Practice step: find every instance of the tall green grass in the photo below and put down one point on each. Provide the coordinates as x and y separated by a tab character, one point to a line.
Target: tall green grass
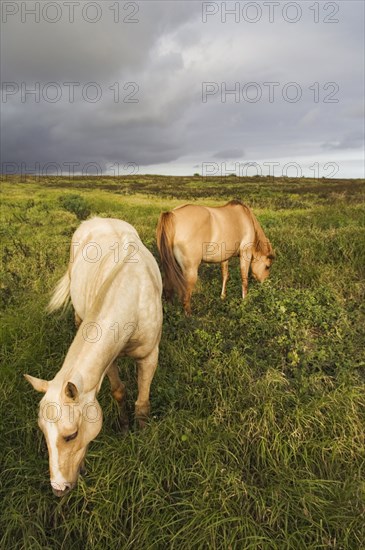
257	432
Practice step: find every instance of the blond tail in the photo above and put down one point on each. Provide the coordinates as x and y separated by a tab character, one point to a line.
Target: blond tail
61	294
173	275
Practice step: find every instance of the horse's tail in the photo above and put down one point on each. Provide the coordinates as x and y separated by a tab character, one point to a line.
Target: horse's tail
173	275
61	294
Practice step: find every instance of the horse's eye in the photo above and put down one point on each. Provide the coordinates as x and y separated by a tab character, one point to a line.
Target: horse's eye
70	437
267	266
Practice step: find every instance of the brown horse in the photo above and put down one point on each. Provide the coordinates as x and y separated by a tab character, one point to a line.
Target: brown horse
191	234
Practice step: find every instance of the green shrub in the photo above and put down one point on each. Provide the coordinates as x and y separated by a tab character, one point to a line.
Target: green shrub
77	205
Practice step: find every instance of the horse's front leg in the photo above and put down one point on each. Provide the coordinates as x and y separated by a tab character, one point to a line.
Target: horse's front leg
146	370
119	393
225	277
245	261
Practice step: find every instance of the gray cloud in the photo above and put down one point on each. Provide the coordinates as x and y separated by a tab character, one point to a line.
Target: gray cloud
229	154
166	58
351	141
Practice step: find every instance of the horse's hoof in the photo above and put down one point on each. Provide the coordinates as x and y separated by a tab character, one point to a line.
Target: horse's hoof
121	425
141	424
124	429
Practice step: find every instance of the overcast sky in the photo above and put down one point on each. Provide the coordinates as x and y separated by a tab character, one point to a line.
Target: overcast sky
151	82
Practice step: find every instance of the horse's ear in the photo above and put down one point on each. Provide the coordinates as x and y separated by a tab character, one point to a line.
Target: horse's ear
71	391
37	383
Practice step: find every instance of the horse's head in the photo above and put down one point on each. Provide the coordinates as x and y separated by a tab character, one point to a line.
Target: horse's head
69	418
261	264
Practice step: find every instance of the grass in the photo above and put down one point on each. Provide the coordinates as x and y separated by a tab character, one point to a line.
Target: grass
257	432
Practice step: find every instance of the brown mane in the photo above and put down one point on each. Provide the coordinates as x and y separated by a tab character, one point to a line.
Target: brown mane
262	243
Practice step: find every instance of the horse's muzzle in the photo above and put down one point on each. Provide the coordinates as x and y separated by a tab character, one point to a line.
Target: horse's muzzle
61	492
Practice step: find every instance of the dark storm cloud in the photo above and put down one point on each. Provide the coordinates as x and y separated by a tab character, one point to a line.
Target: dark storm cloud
152	76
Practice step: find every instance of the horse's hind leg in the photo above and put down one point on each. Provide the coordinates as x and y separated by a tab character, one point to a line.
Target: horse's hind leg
119	393
168	290
225	277
191	276
146	371
78	320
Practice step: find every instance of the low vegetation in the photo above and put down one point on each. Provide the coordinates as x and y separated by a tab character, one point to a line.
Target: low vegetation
257	432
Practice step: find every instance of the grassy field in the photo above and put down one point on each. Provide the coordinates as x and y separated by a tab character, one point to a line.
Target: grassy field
257	434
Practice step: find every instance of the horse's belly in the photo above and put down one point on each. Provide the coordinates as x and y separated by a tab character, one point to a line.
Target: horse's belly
218	250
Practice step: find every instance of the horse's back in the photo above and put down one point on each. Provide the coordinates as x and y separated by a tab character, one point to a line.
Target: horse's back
104	249
226	227
96	248
232	221
190	219
97	228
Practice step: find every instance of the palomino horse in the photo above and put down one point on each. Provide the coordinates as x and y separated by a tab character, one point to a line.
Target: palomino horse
191	234
115	287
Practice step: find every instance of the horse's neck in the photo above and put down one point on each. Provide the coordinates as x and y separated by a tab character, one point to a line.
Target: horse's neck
262	244
94	348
